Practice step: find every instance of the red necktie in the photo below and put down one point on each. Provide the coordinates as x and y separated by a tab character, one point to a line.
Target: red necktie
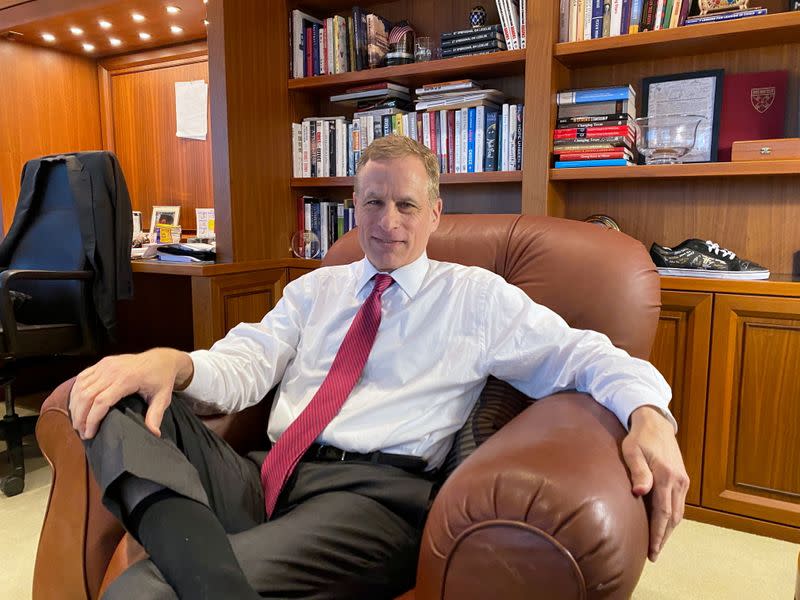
326	403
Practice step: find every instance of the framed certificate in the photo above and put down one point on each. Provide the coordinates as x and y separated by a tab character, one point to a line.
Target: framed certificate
698	93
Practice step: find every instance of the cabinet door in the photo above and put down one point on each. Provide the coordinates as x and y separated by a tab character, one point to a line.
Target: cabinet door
680	353
221	302
752	459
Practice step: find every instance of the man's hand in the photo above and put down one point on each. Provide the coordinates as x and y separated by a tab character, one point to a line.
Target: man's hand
651	452
153	374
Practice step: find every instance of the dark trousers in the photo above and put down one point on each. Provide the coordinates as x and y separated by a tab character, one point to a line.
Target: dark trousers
341	530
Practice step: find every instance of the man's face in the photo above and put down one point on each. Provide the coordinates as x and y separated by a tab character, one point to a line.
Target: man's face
395	218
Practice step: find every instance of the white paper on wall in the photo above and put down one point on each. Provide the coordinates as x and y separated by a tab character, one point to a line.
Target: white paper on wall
191	109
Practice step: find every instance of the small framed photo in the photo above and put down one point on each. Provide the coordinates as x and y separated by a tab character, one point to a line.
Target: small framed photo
164	215
697	93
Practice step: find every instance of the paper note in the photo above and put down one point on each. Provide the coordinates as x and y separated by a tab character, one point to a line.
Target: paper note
191	109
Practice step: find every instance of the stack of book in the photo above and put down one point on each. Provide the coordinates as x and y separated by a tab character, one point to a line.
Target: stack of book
467	42
595	128
468	128
590	19
328	219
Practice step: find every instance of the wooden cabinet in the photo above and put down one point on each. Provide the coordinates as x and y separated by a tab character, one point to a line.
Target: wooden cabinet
752	462
680	353
731	353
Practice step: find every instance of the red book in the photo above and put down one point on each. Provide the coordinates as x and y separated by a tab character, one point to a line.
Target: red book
434	137
753	108
588	132
451	141
595	155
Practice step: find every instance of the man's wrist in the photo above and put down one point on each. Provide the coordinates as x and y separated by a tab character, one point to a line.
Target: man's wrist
647	414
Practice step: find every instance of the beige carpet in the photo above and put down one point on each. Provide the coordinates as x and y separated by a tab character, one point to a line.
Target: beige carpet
701	562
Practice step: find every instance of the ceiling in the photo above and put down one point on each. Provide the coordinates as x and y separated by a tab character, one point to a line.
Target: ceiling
29	21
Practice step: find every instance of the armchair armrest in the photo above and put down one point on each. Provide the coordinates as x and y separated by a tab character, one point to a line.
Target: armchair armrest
7	318
79	536
544	505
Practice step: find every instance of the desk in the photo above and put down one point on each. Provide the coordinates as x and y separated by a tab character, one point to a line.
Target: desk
190	306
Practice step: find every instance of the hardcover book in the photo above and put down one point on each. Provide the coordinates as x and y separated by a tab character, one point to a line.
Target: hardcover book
753	108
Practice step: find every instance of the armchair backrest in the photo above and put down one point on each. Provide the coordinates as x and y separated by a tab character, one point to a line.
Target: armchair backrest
48	237
595	278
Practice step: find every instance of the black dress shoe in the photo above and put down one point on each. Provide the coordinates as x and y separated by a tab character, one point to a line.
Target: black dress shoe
696	258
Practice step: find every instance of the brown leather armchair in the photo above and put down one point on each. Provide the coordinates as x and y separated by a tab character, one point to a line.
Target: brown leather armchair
543	509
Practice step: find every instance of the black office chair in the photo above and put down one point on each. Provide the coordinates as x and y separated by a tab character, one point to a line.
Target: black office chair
46	299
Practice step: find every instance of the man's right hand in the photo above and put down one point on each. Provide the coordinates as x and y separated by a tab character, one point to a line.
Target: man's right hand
152	374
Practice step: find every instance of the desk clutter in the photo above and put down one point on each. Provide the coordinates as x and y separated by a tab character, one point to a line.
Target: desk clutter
164	240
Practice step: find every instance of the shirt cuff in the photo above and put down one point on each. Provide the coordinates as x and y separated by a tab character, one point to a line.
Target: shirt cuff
197	392
636	398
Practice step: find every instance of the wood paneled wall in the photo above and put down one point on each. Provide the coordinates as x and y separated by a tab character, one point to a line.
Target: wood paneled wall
49	104
139	125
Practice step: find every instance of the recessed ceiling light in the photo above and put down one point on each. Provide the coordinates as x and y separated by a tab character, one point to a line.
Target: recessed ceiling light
104	24
115	41
88	47
48	37
173	10
175	29
137	17
144	36
205	22
76	30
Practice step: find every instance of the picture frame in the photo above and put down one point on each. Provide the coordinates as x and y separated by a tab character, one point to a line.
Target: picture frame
695	93
164	215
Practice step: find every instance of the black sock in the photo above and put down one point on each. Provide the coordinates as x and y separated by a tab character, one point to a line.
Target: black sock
188	544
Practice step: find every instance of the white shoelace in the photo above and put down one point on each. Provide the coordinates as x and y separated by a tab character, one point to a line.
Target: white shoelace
715	248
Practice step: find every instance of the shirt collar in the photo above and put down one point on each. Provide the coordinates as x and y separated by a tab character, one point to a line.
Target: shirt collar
408	278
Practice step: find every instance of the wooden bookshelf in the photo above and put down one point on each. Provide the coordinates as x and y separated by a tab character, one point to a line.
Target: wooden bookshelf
749	32
721	169
445	179
498	64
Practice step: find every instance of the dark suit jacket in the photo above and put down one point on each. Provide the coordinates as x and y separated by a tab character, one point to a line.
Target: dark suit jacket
104	213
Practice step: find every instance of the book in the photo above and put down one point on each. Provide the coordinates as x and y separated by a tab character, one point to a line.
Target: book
595	95
753	108
523	23
468	39
610	139
611	162
592	132
504	21
447	86
490	157
592	125
377	40
726	16
626	154
591	109
466	48
354	97
586	121
476	52
467	32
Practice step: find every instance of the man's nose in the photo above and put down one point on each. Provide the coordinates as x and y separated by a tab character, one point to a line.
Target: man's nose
389	217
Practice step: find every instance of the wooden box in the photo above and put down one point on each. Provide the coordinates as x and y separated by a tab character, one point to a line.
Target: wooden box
777	149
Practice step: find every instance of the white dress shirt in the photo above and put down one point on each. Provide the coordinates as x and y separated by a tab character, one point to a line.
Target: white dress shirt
444	329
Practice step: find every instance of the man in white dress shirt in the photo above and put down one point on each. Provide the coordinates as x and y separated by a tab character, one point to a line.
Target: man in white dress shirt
345	529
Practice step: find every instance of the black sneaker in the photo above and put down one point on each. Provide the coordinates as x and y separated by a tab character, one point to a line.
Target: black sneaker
696	258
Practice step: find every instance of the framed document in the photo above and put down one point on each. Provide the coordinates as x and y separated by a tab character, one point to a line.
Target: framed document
698	93
164	215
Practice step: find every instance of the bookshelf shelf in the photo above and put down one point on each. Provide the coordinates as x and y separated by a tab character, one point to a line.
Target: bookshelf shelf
508	62
445	179
750	32
722	169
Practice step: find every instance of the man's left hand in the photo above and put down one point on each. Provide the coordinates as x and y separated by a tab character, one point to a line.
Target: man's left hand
651	452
